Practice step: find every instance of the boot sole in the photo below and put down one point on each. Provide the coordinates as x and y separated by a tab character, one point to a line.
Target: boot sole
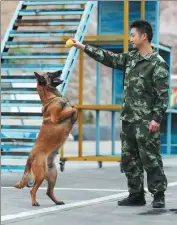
140	204
158	207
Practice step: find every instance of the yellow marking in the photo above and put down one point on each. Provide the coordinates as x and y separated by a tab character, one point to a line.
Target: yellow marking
99	107
126	25
94	158
143	9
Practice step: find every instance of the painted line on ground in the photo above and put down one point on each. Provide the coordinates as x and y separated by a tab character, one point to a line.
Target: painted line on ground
172	184
68	206
77	189
62	207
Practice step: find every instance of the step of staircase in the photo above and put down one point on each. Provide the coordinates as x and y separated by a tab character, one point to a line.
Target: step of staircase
17	140
39	33
21	115
20	128
48	22
10	66
18	79
19	90
38	3
53	12
37	55
18	103
26	39
36	44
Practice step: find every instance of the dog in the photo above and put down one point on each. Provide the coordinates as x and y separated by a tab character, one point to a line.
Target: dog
59	117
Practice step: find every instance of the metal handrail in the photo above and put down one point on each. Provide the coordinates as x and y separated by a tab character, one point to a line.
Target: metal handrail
73	53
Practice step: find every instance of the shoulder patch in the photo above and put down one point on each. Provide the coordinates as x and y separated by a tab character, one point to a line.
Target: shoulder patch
160	61
160	58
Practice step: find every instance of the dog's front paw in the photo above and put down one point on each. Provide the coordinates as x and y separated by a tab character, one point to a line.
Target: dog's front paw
60	203
35	204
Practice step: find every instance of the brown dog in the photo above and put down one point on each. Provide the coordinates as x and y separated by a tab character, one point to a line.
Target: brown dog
58	119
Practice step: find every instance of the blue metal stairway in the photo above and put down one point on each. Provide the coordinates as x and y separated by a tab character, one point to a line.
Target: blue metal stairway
34	41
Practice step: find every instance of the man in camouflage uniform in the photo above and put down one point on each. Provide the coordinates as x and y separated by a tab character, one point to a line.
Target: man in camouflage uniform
145	100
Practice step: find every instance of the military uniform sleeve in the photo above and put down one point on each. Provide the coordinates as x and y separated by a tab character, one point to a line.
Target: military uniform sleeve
107	58
161	86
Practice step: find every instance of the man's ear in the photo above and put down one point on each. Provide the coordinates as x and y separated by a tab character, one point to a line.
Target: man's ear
145	36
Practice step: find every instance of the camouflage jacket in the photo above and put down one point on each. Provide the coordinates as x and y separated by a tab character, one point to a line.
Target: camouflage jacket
145	95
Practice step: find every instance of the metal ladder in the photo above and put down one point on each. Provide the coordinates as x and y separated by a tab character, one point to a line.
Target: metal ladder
35	41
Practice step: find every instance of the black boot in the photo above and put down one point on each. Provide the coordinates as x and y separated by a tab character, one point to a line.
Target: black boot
159	200
136	199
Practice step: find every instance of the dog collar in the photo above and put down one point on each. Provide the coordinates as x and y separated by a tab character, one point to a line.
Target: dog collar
47	104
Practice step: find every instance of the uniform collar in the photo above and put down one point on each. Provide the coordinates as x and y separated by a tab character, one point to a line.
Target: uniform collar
146	57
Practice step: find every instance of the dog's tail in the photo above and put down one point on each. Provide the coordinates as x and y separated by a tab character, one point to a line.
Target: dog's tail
24	181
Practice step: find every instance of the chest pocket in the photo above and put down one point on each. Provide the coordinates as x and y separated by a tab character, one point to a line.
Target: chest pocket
139	84
146	78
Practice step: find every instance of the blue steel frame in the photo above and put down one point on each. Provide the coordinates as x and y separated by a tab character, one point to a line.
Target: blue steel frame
10	27
5	39
97	112
169	112
71	58
167	49
68	67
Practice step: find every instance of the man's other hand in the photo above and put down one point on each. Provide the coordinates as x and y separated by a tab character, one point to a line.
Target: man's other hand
154	126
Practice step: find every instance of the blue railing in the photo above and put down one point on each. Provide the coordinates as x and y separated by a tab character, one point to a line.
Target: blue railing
72	56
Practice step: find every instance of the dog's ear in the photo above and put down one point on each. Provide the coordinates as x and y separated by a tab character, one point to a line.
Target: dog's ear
59	72
40	78
56	74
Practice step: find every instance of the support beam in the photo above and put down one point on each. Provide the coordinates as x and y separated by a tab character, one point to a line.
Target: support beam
126	25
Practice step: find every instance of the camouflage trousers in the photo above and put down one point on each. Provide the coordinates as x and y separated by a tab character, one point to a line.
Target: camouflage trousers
141	151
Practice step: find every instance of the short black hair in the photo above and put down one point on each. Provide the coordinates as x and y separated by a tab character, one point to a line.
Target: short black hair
143	26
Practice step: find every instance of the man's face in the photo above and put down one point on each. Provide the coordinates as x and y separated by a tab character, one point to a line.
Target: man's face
136	38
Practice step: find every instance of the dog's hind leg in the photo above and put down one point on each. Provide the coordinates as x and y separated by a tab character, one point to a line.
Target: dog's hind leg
39	175
51	177
24	181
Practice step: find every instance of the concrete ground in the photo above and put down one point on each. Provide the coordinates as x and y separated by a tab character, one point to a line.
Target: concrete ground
90	194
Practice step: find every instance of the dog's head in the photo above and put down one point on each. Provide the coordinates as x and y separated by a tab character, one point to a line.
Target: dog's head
49	79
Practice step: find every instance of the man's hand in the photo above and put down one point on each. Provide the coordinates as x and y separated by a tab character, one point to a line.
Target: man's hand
77	44
154	126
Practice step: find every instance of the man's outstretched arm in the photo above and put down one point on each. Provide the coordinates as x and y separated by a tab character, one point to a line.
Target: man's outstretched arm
107	58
